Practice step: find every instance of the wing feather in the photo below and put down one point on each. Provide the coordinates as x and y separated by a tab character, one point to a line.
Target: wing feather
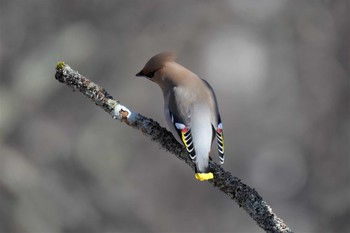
217	124
185	135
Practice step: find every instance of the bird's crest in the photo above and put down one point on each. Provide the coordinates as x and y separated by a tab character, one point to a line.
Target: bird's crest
157	62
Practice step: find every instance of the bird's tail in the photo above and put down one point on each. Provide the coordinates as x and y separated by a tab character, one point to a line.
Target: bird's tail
202	169
204	176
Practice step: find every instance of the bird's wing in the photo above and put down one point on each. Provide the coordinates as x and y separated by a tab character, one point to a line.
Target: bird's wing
184	132
216	123
220	139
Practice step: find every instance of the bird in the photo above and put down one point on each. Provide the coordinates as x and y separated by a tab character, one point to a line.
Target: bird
191	109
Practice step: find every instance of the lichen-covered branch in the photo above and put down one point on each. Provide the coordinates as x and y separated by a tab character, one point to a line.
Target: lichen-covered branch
246	197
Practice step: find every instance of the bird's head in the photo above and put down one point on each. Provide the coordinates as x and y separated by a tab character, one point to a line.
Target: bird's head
156	63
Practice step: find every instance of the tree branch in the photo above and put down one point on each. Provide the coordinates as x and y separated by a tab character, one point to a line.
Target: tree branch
246	197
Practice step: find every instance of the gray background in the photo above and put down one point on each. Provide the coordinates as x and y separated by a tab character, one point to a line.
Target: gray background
280	71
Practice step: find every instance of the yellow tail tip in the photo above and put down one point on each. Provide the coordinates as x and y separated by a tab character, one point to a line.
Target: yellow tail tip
204	176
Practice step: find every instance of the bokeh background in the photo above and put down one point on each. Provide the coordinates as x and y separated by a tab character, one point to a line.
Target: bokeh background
281	73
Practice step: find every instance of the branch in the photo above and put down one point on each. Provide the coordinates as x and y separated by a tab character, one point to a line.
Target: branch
246	197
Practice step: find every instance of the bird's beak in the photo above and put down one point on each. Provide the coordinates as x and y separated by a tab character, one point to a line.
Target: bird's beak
140	74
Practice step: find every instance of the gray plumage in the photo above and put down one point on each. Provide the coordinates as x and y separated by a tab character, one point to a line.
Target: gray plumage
189	102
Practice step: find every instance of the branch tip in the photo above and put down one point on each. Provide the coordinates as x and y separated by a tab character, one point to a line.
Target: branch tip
60	65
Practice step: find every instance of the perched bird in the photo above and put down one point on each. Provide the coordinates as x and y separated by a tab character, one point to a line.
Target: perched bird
190	108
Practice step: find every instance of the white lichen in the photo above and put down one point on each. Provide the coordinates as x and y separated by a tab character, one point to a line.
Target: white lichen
118	110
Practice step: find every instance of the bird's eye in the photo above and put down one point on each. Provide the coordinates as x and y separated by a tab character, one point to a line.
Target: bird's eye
150	75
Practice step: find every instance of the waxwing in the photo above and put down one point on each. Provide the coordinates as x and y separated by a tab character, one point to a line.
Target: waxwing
190	108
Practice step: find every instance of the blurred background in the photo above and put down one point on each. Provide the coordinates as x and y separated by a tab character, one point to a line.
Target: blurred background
281	73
